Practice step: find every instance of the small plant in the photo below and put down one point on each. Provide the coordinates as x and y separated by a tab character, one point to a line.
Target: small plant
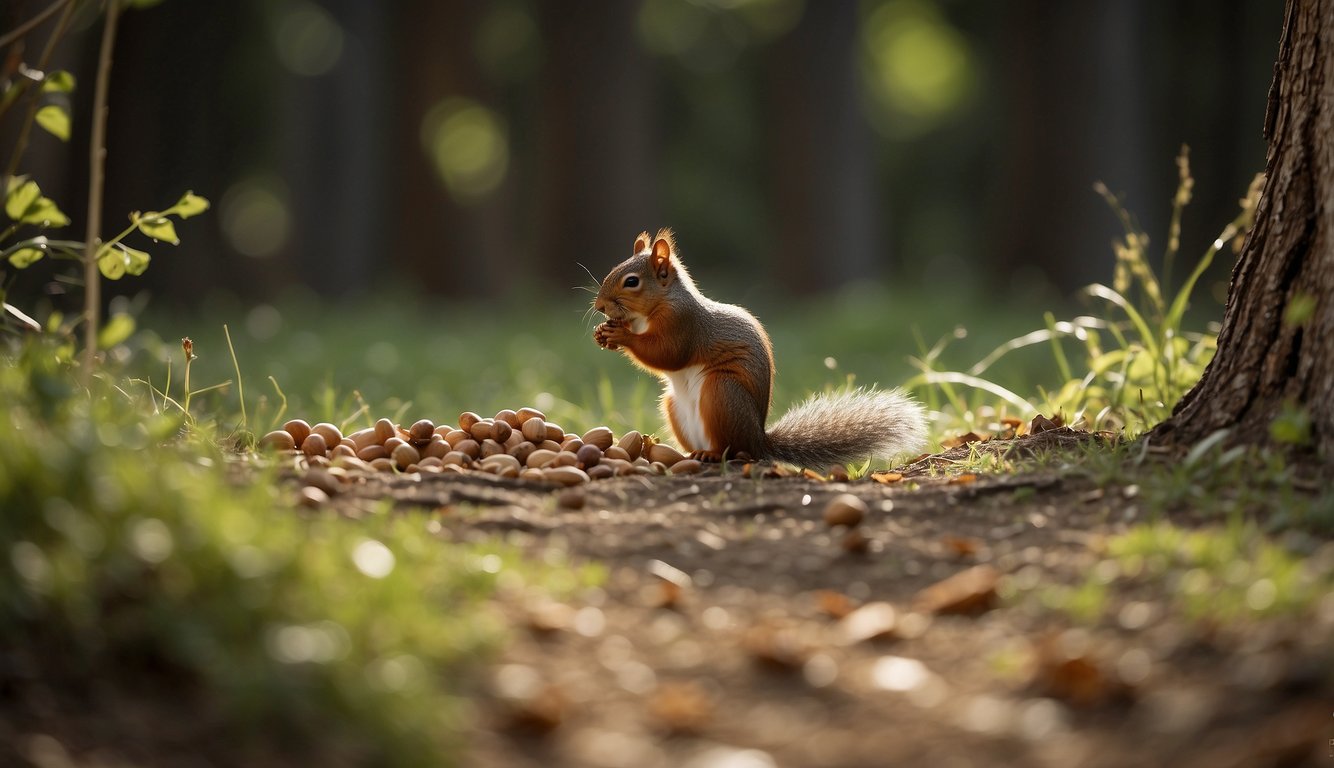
30	212
1135	362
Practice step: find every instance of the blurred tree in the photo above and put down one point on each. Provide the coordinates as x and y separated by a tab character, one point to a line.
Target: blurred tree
597	140
825	217
1273	375
1073	111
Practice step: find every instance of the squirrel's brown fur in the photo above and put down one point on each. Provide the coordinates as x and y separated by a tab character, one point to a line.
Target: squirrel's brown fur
716	364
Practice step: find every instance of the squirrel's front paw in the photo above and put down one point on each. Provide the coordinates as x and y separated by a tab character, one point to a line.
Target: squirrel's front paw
610	335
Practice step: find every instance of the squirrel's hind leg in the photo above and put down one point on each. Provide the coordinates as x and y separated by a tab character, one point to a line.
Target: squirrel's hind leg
732	420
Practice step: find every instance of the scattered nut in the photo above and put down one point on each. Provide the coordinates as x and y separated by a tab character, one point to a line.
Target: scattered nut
845	509
278	440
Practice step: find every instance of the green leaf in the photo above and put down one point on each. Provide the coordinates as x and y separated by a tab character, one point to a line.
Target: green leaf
189	205
112	263
1292	425
159	227
44	213
58	81
117	329
26	257
55	120
136	261
20	196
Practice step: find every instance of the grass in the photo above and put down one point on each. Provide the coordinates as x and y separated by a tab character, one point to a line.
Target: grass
1121	369
413	359
131	558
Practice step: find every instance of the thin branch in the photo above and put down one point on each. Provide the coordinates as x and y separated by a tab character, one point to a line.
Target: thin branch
97	152
32	23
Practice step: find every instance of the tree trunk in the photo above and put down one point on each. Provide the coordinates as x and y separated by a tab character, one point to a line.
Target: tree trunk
1270	356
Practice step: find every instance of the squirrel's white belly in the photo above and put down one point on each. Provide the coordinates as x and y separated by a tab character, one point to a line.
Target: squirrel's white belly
684	387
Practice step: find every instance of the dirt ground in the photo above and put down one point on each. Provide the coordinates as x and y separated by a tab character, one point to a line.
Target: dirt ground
723	637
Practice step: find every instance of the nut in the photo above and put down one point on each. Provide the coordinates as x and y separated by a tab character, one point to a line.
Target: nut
540	458
455	458
278	440
632	443
314	445
363	437
373	452
331	434
664	454
555	432
422	430
499	462
467	419
845	509
385	429
383	465
534	430
509	417
405	455
588	456
471	448
616	452
298	429
482	430
686	467
600	471
394	442
565	475
526	413
454	436
572	444
599	436
491	448
522	451
501	430
436	448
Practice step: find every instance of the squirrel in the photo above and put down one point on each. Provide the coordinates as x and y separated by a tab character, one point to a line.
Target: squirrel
716	364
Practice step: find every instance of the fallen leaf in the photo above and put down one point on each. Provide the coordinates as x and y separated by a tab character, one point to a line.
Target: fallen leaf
888	478
964	439
967	592
832	603
962	546
681	707
776	647
1041	423
968	478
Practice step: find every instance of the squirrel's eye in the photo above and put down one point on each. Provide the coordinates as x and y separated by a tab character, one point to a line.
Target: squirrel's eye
631	281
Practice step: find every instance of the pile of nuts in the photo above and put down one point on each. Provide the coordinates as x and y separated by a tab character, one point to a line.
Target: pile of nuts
515	444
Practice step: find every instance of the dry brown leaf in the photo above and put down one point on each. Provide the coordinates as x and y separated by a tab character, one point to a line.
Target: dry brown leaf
967	592
888	478
776	647
962	546
964	439
1041	423
681	707
832	603
968	478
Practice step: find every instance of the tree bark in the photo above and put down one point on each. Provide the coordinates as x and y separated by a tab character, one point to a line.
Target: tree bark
1267	357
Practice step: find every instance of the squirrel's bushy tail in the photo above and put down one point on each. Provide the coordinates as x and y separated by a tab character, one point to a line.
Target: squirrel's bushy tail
842	427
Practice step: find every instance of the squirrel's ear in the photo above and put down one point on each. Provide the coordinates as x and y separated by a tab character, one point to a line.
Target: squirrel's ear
661	259
641	244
